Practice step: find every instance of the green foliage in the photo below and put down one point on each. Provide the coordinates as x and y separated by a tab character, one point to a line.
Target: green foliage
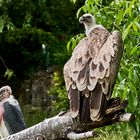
74	41
124	16
5	23
59	95
24	46
115	132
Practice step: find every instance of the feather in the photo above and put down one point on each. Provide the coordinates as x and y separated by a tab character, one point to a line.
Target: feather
92	83
82	76
84	109
96	102
74	102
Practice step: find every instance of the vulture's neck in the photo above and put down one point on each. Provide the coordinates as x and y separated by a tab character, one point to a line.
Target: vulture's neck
90	27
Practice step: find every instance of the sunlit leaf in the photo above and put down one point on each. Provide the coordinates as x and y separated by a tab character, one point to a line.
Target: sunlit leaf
9	73
68	45
137	24
135	28
126	31
134	50
78	12
74	41
120	16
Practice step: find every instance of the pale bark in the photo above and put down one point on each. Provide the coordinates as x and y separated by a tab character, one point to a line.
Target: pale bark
85	135
49	129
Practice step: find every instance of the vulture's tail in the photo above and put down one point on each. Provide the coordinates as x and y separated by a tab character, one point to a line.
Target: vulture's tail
84	109
98	103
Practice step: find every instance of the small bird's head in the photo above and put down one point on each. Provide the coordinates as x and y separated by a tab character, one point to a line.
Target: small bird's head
6	89
87	19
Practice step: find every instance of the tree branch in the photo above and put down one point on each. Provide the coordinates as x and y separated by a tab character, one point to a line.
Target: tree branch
63	126
85	135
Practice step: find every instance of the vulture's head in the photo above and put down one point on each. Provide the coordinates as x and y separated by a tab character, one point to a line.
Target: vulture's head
89	21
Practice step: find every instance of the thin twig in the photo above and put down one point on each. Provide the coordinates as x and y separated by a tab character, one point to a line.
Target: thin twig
3	62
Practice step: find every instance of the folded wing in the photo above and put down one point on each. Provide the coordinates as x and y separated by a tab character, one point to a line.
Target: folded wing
93	67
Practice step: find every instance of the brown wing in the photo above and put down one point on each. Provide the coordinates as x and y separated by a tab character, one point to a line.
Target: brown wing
93	66
72	70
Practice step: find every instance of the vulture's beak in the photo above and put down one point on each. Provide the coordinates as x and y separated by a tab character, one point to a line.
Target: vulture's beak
82	19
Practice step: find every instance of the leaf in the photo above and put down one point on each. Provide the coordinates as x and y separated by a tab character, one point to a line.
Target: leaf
9	73
135	28
74	41
125	12
119	17
85	8
135	76
137	24
90	8
126	91
68	45
122	84
1	25
130	7
78	12
134	50
73	1
133	101
126	31
130	75
10	26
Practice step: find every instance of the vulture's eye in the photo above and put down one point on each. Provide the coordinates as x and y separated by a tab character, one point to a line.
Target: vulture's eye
88	17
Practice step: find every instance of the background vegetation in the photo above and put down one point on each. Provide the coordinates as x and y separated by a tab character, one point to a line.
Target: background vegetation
31	24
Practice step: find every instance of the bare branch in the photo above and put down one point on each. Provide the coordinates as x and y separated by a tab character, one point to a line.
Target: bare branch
126	117
85	135
64	126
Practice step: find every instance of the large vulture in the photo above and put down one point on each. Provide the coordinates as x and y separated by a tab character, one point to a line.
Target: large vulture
91	72
11	117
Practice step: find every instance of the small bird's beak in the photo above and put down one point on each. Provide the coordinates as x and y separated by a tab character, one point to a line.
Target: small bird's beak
81	19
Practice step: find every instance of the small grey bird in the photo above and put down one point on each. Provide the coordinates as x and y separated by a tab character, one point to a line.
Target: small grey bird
91	72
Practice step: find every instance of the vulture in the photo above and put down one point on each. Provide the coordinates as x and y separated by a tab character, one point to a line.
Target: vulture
91	72
11	117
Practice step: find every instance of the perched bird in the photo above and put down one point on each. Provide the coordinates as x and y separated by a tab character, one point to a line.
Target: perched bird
91	72
11	117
